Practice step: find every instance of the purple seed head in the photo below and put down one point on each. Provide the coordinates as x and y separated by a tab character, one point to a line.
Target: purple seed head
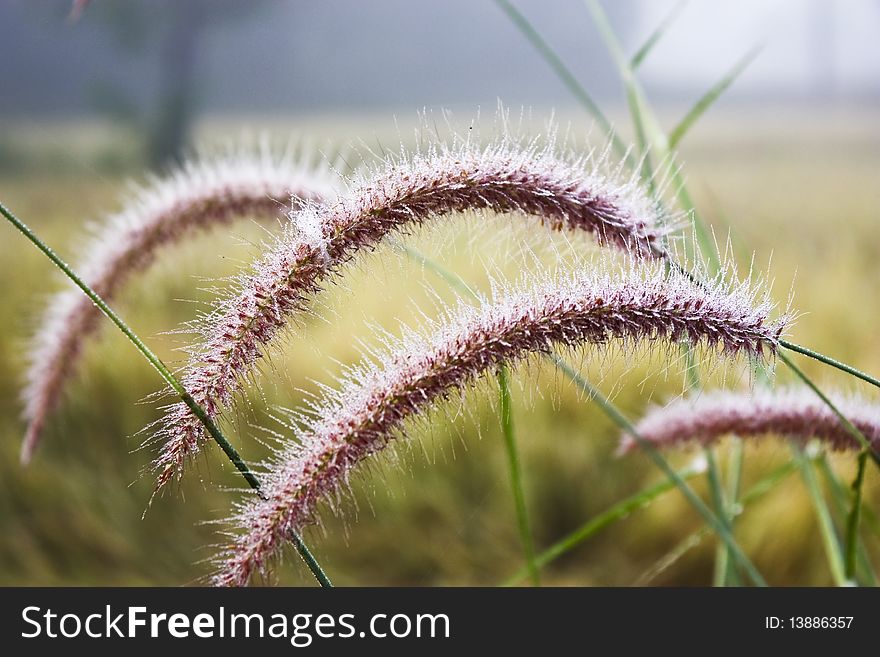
203	194
564	193
372	404
795	413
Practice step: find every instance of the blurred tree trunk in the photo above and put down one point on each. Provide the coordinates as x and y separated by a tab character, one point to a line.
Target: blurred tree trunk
170	132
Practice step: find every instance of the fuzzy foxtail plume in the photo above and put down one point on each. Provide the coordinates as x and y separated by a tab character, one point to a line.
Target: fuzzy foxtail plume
203	194
794	413
565	193
372	405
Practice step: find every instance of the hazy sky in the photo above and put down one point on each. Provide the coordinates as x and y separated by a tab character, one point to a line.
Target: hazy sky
804	42
302	55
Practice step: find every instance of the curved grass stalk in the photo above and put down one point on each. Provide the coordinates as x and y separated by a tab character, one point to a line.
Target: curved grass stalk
373	404
503	178
165	373
591	391
201	195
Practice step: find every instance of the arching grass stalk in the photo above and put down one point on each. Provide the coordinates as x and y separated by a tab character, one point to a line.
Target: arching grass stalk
165	373
406	377
199	196
639	106
570	372
504	177
677	181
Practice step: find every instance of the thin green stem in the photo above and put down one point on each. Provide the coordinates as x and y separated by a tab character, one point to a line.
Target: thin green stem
829	535
822	358
522	517
640	500
164	372
453	279
734	477
310	561
756	491
849	426
516	480
720	505
669	559
852	521
869	518
642	116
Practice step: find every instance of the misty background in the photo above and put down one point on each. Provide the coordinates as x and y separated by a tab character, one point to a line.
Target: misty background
160	65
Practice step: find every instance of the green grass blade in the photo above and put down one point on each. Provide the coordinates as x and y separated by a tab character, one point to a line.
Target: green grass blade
734	478
841	498
647	129
759	489
852	521
454	280
605	519
833	550
513	462
672	557
707	251
656	35
720	504
680	130
645	121
564	74
869	518
717	524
